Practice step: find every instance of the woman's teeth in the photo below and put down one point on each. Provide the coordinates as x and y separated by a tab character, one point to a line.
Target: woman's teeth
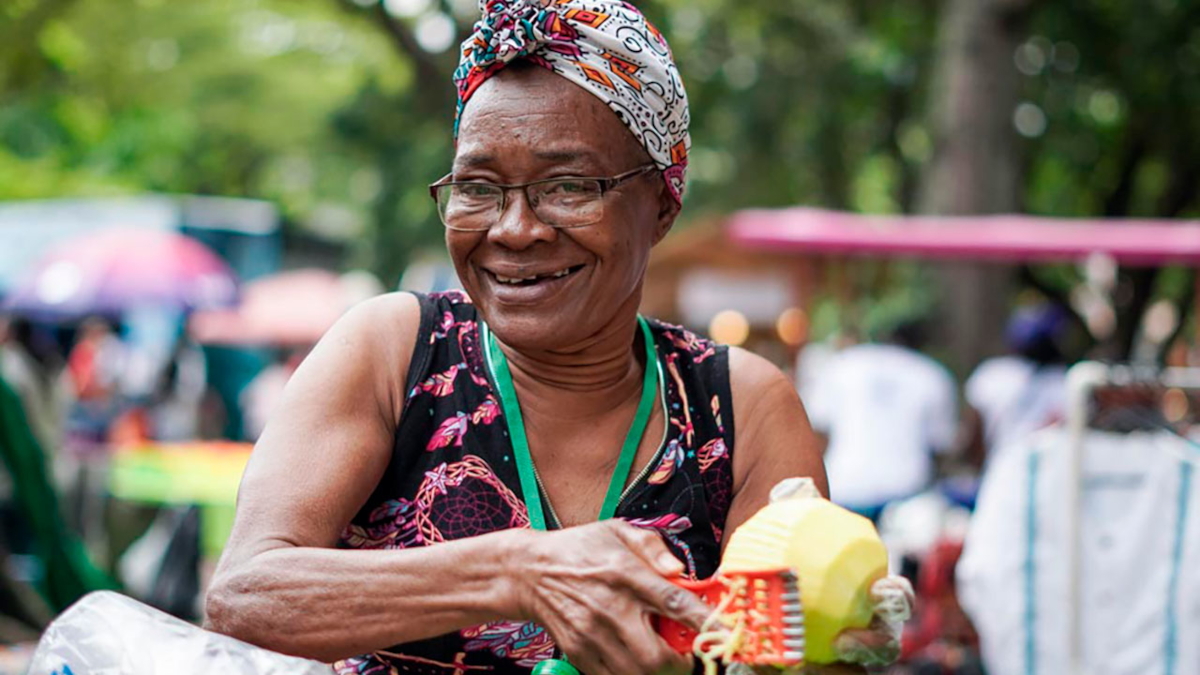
524	280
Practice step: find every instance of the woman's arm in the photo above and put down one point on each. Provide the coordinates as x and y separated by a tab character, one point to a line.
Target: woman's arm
279	583
773	437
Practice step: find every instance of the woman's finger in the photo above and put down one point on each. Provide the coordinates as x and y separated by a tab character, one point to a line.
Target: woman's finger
666	599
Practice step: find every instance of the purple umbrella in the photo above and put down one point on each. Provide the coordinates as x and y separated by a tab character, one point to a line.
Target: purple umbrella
112	271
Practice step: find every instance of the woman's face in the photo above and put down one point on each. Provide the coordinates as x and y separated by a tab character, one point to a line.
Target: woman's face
527	124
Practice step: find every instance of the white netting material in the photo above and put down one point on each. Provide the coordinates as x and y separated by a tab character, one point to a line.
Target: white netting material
794	488
893	596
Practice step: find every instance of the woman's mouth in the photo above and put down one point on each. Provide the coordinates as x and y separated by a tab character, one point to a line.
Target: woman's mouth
531	280
531	289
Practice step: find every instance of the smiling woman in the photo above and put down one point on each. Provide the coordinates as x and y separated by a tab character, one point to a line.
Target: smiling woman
465	445
527	124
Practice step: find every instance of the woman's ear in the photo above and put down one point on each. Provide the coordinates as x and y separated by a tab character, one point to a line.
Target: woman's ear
668	211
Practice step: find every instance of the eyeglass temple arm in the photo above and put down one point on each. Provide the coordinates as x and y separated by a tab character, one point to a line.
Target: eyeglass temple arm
433	187
607	184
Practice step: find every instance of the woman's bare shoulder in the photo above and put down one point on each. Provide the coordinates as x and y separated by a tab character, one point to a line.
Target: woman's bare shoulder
371	343
773	437
386	316
385	324
751	376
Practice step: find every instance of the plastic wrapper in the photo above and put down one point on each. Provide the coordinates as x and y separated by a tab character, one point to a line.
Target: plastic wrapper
106	633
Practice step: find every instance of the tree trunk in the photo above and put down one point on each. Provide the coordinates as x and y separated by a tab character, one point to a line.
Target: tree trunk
976	163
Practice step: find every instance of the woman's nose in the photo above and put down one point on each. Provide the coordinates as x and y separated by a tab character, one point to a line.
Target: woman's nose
519	227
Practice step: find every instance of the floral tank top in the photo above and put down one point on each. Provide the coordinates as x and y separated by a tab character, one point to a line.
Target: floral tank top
452	475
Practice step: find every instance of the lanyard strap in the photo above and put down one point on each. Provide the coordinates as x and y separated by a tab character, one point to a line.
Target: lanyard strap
498	365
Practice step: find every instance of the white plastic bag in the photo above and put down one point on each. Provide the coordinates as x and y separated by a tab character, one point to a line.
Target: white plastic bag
106	633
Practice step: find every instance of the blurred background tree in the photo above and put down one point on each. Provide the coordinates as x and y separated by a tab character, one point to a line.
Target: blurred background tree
340	111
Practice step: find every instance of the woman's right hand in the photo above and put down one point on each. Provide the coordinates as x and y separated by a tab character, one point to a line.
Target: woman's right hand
595	587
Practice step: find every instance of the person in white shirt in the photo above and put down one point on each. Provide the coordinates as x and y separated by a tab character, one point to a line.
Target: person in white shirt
1011	396
887	410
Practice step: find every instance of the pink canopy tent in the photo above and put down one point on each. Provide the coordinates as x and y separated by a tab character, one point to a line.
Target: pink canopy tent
1000	238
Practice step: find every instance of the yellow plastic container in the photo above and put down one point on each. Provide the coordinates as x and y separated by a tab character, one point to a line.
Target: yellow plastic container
837	555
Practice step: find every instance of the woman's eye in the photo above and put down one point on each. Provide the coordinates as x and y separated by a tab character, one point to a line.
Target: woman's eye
569	187
476	190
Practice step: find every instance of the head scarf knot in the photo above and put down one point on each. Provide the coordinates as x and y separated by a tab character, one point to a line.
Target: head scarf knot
605	46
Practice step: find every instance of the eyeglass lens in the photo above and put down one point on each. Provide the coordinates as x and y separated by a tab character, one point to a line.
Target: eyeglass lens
562	203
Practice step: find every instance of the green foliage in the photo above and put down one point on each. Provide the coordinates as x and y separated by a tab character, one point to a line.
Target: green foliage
214	97
1119	84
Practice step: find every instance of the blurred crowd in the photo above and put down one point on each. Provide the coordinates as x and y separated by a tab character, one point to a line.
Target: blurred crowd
901	450
972	489
74	396
92	384
889	413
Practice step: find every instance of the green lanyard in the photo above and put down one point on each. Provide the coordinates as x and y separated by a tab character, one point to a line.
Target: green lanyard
498	365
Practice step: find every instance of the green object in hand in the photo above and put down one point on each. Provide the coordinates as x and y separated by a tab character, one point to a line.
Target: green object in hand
555	667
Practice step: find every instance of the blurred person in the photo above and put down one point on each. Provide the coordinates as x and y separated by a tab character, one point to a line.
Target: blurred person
263	395
1008	397
94	367
28	368
53	560
94	363
178	405
940	640
43	566
410	430
32	366
174	410
815	356
886	411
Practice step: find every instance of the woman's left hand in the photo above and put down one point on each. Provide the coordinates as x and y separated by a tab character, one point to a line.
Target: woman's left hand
879	643
859	648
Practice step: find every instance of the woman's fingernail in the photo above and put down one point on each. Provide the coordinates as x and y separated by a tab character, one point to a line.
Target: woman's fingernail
670	563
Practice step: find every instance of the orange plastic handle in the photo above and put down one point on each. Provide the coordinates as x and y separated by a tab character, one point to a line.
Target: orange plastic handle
776	623
679	636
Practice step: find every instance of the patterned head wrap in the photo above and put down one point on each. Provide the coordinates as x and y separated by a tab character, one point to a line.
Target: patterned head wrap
605	46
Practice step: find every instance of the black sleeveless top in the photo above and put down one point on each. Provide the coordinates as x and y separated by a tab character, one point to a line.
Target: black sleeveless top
452	476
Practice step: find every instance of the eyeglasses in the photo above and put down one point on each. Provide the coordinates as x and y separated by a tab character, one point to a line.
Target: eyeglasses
558	202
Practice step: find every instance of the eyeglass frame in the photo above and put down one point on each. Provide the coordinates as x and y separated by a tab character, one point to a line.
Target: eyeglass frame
607	184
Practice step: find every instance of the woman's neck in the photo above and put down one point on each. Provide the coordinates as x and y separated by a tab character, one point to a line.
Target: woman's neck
583	380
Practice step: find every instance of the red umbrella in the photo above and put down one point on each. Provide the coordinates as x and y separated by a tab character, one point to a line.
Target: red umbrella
111	271
289	308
